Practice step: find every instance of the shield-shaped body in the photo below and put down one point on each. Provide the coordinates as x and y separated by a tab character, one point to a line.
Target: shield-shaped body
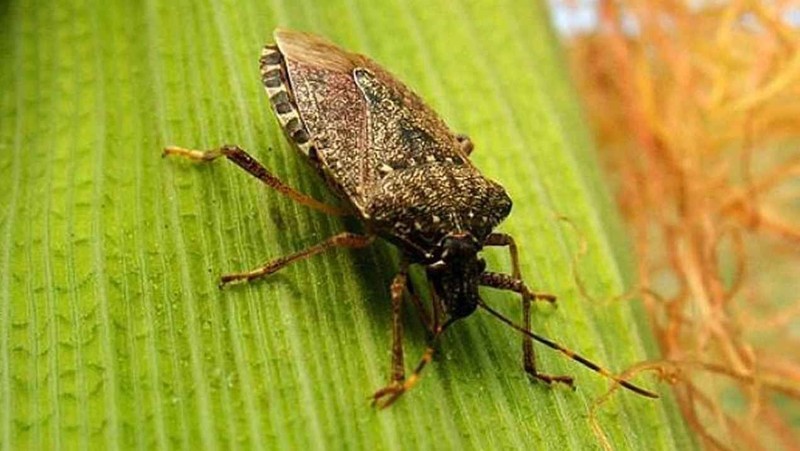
407	176
382	149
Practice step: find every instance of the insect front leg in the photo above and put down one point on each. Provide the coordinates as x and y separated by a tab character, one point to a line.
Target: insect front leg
506	282
386	396
347	240
242	159
517	285
399	384
422	312
502	239
398	364
397	290
528	355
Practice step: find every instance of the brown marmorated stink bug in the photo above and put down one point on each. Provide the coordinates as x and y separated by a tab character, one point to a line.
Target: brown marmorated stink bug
399	169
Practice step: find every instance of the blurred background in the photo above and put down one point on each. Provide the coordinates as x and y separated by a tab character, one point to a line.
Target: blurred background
695	107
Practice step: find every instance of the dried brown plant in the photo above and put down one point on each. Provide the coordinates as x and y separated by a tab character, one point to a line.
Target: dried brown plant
696	107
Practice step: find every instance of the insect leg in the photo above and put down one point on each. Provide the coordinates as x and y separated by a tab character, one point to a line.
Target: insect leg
436	306
502	239
506	282
242	159
392	392
422	311
345	239
515	283
398	289
399	384
528	355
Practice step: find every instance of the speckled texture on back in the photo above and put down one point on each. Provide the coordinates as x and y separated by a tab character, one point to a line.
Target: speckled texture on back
380	146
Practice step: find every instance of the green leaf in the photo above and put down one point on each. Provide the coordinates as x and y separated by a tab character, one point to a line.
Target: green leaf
113	333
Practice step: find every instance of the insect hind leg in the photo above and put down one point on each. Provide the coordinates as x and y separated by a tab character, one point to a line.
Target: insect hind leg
239	157
398	384
506	282
387	396
397	290
398	362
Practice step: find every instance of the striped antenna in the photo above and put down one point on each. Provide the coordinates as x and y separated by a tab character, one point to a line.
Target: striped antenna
580	359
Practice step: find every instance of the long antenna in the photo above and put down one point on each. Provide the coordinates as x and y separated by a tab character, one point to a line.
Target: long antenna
580	359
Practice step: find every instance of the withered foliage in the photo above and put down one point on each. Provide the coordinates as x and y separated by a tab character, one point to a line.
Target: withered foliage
697	111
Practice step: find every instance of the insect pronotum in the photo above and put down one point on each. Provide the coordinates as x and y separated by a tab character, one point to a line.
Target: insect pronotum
406	176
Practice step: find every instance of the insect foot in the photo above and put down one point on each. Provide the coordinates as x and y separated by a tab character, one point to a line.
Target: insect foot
549	380
386	396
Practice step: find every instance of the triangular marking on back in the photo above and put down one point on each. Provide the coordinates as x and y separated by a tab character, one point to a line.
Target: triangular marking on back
315	51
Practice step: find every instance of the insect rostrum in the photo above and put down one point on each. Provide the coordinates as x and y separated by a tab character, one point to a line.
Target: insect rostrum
405	175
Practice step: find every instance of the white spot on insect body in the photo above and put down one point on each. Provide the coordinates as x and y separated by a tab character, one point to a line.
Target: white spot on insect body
456	222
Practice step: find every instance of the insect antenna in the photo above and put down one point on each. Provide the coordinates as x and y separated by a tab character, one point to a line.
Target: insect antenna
580	359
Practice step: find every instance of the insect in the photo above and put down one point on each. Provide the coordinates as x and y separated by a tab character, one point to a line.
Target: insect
407	177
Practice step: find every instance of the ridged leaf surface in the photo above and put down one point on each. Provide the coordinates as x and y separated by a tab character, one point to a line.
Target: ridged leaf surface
113	333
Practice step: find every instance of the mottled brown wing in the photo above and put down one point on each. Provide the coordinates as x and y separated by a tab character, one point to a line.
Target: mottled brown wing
364	123
403	130
333	110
